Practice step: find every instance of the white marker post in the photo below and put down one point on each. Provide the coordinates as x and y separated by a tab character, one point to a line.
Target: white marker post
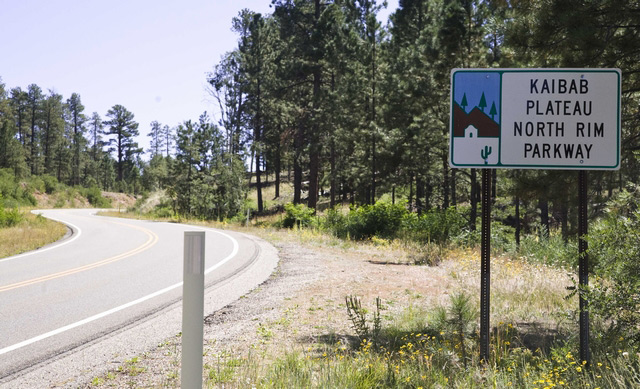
193	310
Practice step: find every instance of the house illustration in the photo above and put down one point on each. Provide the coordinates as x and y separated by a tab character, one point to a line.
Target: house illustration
476	137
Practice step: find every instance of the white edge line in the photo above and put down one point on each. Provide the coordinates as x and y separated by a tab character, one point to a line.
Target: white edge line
71	326
75	236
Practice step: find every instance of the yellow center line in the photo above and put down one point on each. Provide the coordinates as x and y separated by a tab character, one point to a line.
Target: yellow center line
153	239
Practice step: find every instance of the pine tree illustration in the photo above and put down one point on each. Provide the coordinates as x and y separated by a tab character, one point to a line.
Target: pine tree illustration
483	102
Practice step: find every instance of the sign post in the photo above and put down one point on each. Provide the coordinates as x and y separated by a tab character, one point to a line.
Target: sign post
485	265
535	119
583	266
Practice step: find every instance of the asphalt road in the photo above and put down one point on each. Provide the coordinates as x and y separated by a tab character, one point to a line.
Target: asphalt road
108	275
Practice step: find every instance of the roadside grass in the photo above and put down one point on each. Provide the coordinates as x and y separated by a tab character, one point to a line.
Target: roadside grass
424	356
32	232
424	361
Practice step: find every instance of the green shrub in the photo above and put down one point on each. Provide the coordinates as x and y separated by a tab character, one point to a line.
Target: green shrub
383	220
13	192
163	212
94	196
390	221
435	225
35	183
297	215
9	217
50	184
614	250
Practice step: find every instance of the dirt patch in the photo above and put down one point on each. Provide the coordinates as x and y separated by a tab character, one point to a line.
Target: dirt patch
120	200
66	199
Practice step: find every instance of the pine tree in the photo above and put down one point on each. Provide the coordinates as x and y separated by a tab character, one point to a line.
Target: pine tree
19	104
53	129
34	101
157	140
483	102
124	129
76	120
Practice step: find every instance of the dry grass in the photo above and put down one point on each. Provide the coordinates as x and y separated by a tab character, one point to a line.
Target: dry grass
33	232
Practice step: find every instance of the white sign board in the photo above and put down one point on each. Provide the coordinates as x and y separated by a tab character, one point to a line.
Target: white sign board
535	118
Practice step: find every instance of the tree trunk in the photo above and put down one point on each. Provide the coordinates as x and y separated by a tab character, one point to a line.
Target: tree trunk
454	200
610	184
445	183
428	191
297	167
277	172
494	185
564	210
411	191
419	194
259	182
543	204
334	177
517	200
314	165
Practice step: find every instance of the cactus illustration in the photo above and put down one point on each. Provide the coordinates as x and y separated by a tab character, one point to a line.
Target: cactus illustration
485	154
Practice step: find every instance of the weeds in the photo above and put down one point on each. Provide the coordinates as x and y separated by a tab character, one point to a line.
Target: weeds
440	355
359	320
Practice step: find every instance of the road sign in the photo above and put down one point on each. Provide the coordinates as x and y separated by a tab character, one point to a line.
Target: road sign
535	119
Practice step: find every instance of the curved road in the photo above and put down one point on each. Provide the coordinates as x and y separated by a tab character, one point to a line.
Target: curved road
108	275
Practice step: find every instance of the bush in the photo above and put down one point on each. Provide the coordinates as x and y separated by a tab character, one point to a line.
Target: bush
614	249
163	212
435	225
9	218
13	192
297	215
382	219
94	196
50	184
552	250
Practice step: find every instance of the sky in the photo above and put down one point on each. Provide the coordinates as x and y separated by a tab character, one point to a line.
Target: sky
151	56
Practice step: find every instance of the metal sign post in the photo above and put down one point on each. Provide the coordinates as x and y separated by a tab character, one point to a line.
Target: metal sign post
192	310
583	266
485	265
